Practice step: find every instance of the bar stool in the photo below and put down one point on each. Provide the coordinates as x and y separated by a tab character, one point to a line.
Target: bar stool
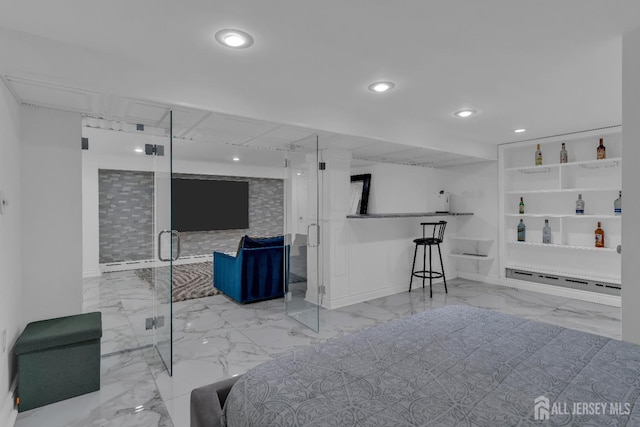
436	238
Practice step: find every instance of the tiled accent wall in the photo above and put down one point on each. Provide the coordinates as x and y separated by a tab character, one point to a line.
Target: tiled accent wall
124	236
125	215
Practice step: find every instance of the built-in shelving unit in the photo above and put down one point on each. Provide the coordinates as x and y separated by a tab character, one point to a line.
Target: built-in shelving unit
587	164
563	190
565	216
568	247
472	248
549	192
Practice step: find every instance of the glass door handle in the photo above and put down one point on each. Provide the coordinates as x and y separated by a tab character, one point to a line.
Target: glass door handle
317	235
160	245
177	236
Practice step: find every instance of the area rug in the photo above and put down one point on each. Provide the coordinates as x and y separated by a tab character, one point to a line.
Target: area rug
192	281
189	280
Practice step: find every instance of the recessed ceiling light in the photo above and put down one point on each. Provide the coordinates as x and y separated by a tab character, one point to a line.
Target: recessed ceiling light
519	130
381	86
236	158
236	39
464	113
139	150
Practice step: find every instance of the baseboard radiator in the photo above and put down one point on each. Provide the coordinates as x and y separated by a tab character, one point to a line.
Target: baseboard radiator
564	281
150	263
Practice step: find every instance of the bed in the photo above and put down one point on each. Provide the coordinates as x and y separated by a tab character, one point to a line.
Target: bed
454	366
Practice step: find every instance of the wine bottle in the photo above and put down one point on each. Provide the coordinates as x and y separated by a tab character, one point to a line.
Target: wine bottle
617	204
546	232
579	205
521	206
601	151
521	231
538	156
599	237
564	155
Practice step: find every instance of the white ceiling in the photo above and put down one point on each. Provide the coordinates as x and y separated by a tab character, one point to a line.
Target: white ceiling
550	66
206	136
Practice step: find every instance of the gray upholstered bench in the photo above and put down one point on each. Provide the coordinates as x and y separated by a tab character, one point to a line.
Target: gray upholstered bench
207	403
58	359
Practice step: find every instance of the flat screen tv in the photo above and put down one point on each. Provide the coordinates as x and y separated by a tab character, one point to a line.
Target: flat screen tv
202	205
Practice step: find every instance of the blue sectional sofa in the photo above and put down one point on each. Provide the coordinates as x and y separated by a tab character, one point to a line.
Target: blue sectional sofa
257	271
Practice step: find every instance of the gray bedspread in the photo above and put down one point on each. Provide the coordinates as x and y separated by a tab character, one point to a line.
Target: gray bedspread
455	366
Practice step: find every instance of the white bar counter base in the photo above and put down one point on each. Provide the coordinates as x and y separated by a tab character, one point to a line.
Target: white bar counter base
372	259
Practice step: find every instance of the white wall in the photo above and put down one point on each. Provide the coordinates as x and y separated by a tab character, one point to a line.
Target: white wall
399	188
10	255
630	187
51	213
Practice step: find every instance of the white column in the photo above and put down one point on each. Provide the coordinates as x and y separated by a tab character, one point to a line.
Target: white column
630	187
51	174
90	216
334	205
336	185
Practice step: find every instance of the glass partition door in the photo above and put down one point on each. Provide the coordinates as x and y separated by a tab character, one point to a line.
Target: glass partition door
166	249
302	233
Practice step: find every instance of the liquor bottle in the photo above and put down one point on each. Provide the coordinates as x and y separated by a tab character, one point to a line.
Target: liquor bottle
546	232
521	231
617	205
599	237
601	151
579	205
564	155
538	156
521	206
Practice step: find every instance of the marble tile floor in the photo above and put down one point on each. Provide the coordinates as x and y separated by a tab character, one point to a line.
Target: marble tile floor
215	338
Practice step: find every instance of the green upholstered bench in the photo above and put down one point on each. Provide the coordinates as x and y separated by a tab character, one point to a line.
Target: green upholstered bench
58	359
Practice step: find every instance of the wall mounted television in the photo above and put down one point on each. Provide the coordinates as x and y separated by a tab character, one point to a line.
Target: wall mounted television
204	205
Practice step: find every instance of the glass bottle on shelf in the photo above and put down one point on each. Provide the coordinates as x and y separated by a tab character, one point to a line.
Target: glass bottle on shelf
599	237
546	232
521	231
601	151
579	205
564	155
538	156
617	204
521	206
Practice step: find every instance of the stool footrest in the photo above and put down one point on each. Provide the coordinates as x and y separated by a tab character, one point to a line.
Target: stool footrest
431	274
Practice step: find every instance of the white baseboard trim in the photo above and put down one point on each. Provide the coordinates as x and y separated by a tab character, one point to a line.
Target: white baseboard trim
9	412
364	296
91	273
493	280
150	263
611	300
376	293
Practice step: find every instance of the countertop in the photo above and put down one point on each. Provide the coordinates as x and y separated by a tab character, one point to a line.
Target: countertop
407	215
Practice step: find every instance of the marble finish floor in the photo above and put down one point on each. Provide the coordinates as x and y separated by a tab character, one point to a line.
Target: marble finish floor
215	338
